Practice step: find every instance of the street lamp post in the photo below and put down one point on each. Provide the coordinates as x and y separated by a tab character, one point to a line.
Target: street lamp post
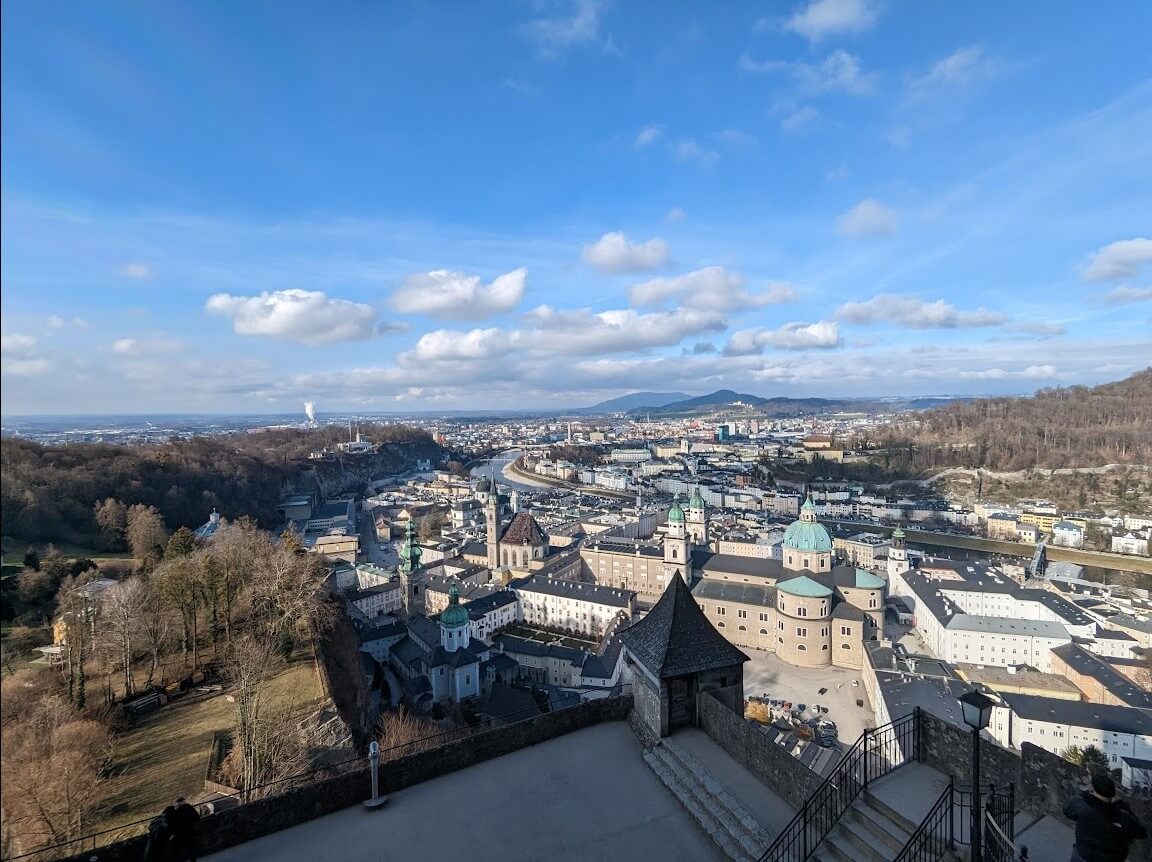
976	708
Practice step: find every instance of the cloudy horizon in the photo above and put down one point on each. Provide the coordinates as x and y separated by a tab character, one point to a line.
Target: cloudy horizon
552	204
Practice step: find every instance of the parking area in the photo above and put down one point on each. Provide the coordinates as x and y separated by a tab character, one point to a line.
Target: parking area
766	675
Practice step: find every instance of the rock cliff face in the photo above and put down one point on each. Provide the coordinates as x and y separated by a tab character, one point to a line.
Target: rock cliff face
340	474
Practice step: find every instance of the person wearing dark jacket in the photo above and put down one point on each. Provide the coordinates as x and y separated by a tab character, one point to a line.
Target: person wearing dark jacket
159	837
1105	825
185	821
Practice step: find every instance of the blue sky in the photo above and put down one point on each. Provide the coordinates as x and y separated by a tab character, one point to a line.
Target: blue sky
396	206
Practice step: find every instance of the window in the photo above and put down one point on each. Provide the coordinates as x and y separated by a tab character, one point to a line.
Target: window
467	679
801	632
801	611
845	646
807	563
824	647
441	671
719	611
742	614
763	631
845	630
719	625
824	632
743	628
781	625
801	648
871	603
763	618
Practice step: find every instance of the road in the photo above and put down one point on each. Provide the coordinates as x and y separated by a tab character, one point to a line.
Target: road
1097	559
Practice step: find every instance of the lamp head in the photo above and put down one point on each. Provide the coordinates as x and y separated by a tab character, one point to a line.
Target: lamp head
976	707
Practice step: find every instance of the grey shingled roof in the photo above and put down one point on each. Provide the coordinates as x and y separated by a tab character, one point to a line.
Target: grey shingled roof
675	638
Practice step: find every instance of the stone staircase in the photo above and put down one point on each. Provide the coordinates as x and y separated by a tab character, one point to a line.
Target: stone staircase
725	820
869	831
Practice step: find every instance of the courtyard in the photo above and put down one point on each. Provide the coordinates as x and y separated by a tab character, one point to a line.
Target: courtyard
767	675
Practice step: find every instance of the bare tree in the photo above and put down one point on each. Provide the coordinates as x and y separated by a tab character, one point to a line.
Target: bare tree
147	534
400	733
123	611
236	547
155	623
51	766
286	592
266	747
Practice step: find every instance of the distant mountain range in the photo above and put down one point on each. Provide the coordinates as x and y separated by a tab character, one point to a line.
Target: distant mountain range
679	404
636	401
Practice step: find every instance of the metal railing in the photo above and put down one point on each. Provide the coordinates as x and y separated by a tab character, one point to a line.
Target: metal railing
935	835
95	840
998	843
875	754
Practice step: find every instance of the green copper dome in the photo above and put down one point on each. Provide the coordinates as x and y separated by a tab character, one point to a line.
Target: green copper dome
897	533
454	615
697	502
807	536
865	580
804	587
675	514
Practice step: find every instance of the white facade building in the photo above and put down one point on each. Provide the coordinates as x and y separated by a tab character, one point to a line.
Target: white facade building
585	608
1056	725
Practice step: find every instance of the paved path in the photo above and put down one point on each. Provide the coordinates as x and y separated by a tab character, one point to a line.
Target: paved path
584	796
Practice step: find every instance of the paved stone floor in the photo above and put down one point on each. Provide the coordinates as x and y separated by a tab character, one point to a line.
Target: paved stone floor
765	673
584	796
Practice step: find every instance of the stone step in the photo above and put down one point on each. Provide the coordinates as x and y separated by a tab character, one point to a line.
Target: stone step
659	763
749	832
888	812
884	832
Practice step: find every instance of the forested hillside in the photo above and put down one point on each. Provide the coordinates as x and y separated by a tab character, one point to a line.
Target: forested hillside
1075	426
50	493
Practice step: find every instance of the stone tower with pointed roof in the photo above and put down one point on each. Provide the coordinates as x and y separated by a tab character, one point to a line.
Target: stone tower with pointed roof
410	572
696	521
492	525
672	655
897	554
677	549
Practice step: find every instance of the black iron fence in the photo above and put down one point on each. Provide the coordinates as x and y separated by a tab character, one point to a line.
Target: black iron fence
949	824
875	754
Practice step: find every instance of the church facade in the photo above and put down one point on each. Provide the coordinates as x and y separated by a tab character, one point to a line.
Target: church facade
807	608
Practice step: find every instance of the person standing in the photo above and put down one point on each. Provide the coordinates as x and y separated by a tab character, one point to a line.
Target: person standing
1105	825
185	825
159	837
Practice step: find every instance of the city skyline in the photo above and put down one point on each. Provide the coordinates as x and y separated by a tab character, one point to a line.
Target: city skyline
538	205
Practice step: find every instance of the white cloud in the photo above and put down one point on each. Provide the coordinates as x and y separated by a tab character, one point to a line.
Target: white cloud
839	72
582	332
305	316
1117	260
449	295
1037	327
55	321
445	345
691	151
737	141
675	214
647	136
16	344
581	27
1032	372
136	269
614	253
124	345
914	313
800	120
709	287
821	335
867	219
17	351
1125	293
962	66
821	18
25	367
